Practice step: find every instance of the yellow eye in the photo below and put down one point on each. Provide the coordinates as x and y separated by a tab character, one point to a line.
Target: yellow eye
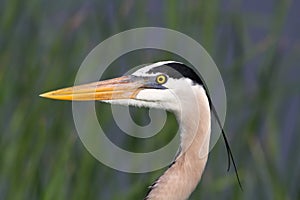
161	79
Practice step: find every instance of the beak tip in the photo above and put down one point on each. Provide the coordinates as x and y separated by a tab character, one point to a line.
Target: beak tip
45	95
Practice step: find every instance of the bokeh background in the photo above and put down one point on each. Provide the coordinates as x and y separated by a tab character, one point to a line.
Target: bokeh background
255	44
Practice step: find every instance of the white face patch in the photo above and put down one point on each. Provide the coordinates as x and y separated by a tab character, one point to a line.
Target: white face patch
179	92
163	99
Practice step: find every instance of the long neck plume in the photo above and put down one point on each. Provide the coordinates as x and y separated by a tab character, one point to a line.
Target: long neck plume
182	177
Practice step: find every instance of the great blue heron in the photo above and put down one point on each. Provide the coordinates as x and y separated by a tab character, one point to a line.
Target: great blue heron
171	86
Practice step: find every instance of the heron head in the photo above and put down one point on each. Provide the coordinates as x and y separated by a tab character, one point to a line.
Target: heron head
163	85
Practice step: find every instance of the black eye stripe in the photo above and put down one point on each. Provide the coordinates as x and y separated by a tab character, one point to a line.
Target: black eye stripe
177	70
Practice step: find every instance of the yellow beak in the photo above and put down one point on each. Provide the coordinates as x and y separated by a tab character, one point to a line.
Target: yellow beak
125	87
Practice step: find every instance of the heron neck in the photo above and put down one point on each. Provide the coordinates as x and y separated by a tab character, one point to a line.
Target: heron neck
179	181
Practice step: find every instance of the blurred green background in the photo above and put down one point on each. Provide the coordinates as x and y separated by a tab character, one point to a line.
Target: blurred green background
255	44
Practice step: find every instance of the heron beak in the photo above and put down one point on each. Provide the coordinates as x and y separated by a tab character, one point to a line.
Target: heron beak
125	87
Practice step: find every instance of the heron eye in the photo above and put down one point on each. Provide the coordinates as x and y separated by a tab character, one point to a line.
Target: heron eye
161	79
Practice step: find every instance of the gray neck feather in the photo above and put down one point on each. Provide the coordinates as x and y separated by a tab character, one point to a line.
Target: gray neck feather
182	177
